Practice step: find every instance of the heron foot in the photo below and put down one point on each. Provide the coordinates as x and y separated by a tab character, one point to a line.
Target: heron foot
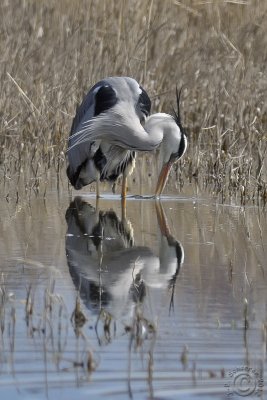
139	196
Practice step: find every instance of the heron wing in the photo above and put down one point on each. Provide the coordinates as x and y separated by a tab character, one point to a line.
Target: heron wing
99	99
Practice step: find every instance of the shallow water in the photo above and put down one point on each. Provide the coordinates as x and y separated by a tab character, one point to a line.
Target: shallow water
170	298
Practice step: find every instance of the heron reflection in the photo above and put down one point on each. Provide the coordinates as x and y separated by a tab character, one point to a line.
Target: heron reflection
108	269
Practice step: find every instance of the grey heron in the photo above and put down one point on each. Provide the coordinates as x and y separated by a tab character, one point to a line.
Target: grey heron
112	124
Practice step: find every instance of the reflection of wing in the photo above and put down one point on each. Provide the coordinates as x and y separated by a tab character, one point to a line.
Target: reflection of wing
103	228
104	264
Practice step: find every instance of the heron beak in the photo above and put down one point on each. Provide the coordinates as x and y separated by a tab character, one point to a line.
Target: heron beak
163	177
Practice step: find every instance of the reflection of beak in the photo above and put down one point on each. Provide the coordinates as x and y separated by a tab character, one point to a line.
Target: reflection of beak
162	220
163	177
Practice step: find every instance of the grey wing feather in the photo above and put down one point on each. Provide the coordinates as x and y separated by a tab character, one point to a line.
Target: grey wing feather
83	112
81	154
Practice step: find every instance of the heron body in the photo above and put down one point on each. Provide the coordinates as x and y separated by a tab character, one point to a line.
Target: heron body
106	131
111	124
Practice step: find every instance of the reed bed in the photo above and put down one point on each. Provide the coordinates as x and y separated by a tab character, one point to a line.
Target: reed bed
53	51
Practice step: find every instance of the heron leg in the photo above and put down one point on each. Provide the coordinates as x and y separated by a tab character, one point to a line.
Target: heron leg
124	186
97	186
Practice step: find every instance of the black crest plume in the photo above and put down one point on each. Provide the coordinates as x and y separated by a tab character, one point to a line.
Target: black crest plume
177	115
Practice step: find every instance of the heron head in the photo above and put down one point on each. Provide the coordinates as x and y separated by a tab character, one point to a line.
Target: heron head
173	145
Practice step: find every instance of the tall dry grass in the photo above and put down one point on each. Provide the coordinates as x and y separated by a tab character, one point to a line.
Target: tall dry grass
53	51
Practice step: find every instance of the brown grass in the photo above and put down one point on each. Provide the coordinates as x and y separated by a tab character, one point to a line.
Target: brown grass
53	51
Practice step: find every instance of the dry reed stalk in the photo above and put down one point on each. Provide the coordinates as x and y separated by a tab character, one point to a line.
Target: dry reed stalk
54	51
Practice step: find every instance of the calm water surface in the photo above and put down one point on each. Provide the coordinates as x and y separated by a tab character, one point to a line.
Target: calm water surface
163	300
